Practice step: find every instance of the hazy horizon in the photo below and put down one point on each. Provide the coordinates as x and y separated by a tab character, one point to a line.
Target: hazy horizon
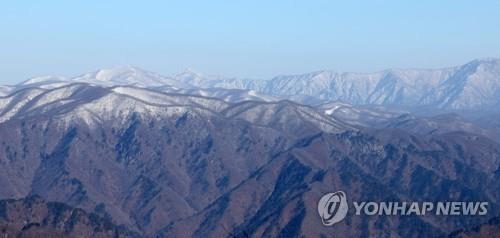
229	76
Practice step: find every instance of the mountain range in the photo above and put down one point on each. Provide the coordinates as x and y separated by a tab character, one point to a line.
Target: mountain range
472	86
475	85
126	152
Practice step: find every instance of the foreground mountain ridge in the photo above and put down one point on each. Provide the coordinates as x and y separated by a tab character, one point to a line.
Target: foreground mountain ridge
207	175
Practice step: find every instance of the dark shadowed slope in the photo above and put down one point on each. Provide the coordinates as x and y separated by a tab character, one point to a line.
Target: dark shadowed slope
33	217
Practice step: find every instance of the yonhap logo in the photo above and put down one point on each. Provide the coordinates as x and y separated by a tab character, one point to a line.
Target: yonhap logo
333	208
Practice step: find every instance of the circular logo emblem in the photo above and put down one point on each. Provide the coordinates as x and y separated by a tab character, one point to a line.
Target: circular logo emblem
332	208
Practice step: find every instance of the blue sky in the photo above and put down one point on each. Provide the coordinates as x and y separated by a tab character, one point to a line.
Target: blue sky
257	39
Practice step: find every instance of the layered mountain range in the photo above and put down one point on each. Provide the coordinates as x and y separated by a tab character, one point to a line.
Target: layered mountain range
473	86
196	156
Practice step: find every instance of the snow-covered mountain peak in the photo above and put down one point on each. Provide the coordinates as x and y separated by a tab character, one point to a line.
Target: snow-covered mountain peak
189	71
127	75
123	75
119	71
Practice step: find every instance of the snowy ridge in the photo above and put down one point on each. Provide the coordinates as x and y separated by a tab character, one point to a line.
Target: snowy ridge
120	108
228	95
93	105
284	114
364	116
202	81
165	99
133	76
473	86
11	105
